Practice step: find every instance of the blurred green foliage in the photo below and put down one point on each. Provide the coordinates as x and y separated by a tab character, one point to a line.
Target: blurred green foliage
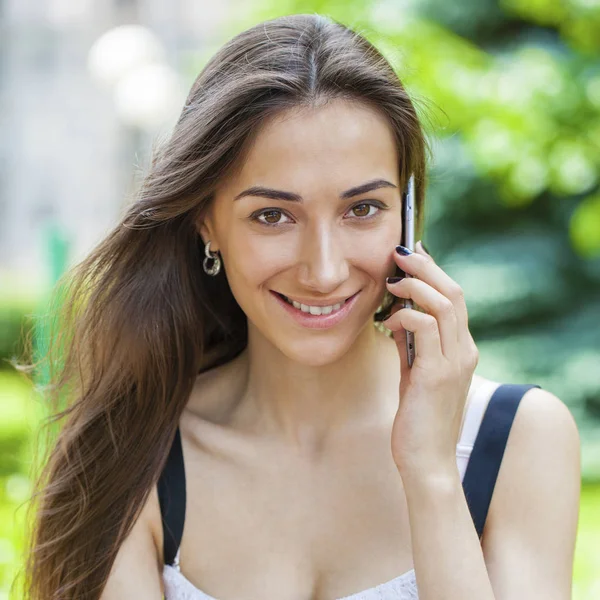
18	417
16	310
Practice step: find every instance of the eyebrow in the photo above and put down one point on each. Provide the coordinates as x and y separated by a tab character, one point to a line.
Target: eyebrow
272	194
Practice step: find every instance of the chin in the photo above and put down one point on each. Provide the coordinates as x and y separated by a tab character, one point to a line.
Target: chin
316	352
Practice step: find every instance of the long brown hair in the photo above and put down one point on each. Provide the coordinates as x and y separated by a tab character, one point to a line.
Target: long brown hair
138	318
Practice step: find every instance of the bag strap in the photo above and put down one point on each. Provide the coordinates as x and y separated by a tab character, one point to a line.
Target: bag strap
486	457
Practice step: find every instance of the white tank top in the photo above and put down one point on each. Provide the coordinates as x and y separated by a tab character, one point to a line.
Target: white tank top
403	587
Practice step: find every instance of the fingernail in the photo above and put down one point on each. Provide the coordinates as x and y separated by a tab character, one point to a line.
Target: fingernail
402	250
424	248
393	279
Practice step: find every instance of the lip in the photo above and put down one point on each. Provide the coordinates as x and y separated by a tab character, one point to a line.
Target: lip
316	321
317	303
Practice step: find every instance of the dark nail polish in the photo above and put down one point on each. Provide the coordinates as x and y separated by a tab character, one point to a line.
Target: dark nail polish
402	250
393	279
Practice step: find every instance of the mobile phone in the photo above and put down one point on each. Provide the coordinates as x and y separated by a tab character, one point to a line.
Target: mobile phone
408	235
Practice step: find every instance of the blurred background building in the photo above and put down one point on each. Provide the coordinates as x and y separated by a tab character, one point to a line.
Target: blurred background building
68	145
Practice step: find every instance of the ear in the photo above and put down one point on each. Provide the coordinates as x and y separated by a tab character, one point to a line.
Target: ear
205	230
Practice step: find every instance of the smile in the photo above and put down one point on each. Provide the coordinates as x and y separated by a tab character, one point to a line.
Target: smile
315	317
315	310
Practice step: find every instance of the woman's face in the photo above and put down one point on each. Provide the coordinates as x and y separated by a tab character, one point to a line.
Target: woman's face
311	240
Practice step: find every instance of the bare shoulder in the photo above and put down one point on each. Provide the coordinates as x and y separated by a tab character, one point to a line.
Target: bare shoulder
546	416
543	443
530	531
137	569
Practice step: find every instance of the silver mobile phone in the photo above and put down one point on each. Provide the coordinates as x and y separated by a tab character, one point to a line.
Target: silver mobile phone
408	229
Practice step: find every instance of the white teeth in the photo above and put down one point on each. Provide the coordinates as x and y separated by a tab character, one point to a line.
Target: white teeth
315	310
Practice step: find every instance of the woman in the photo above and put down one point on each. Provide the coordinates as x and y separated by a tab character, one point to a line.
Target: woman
245	423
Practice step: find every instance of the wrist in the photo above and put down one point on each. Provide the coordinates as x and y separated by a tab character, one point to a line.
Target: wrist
431	479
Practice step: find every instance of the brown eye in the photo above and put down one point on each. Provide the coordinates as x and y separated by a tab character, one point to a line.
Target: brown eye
363	210
272	216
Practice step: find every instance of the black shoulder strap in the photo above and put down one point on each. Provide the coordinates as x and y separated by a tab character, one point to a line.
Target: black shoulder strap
171	496
488	449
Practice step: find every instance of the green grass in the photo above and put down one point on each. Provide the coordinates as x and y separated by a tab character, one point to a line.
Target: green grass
586	569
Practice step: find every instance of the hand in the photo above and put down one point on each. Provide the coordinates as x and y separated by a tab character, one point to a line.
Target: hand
433	392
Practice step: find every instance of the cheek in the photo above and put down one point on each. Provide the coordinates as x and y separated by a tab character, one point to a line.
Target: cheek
378	247
378	257
255	258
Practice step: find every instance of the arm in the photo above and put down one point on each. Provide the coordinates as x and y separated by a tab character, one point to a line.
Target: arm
528	542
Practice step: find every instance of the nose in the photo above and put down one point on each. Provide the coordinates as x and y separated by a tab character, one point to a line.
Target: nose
323	264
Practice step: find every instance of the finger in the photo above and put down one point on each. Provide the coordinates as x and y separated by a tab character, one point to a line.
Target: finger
425	327
435	304
399	336
422	266
464	337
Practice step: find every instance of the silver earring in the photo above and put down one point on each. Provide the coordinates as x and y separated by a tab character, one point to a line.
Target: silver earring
216	267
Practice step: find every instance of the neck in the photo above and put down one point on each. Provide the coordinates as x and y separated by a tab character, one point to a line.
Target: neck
306	406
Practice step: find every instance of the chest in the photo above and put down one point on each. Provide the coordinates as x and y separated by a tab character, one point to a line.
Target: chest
261	523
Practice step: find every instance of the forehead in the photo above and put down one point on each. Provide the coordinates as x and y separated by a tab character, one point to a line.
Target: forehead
330	147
